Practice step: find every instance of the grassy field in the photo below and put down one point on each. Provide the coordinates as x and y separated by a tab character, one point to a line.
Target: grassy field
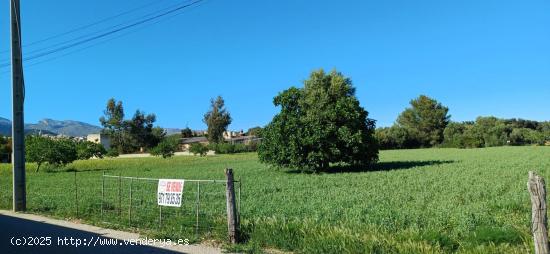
414	201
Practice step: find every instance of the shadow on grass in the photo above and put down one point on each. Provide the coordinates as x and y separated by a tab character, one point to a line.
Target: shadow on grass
72	169
380	166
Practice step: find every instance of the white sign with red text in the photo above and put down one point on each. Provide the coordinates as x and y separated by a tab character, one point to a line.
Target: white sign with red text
170	192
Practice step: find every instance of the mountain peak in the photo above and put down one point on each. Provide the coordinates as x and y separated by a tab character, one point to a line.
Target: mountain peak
65	127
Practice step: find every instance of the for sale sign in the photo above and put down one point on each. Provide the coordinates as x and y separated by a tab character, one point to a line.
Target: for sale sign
170	192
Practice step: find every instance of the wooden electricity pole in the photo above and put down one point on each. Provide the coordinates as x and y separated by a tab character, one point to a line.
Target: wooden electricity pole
18	94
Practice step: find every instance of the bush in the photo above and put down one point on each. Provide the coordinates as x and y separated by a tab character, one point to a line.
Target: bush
228	148
522	136
166	148
86	150
198	148
113	152
395	137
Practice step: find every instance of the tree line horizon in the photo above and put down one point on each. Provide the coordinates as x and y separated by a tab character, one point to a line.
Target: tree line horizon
322	124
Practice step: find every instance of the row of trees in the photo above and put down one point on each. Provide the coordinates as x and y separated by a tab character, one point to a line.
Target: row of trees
427	124
59	152
492	131
322	124
140	134
132	135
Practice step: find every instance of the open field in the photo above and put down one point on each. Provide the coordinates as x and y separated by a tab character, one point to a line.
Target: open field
414	201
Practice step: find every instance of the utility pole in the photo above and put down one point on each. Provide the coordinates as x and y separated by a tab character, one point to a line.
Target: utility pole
18	97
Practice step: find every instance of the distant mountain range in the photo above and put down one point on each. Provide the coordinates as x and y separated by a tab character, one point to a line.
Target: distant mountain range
172	131
67	128
49	126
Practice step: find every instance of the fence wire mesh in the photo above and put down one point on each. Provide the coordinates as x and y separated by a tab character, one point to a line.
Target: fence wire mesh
125	202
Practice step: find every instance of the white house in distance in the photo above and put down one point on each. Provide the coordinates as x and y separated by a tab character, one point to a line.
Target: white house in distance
100	139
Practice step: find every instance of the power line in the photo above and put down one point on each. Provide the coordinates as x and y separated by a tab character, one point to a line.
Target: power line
103	30
100	34
105	34
86	26
95	44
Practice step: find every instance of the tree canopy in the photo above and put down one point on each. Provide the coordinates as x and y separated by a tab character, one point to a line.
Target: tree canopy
131	135
217	119
113	122
46	150
186	133
425	120
141	130
319	124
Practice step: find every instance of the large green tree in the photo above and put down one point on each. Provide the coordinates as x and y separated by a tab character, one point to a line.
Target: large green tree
319	124
426	120
217	119
128	136
113	123
141	131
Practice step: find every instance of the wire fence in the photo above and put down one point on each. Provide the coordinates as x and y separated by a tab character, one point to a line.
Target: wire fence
127	202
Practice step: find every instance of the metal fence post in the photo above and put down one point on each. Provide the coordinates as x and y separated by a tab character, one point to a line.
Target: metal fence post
239	202
102	193
75	194
119	194
160	216
130	208
198	208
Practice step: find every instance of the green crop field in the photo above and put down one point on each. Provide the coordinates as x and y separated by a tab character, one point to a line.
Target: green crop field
413	201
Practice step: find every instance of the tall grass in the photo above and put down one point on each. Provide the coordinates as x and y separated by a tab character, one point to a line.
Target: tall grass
414	201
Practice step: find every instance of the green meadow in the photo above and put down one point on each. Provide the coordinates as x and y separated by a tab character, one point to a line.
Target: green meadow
412	201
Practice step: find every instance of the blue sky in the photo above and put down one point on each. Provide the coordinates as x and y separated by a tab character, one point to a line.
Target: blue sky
476	57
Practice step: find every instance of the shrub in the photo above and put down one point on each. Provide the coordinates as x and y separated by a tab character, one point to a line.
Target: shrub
113	152
198	148
86	150
228	148
166	148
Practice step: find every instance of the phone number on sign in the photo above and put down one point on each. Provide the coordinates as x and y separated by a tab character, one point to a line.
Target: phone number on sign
169	198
